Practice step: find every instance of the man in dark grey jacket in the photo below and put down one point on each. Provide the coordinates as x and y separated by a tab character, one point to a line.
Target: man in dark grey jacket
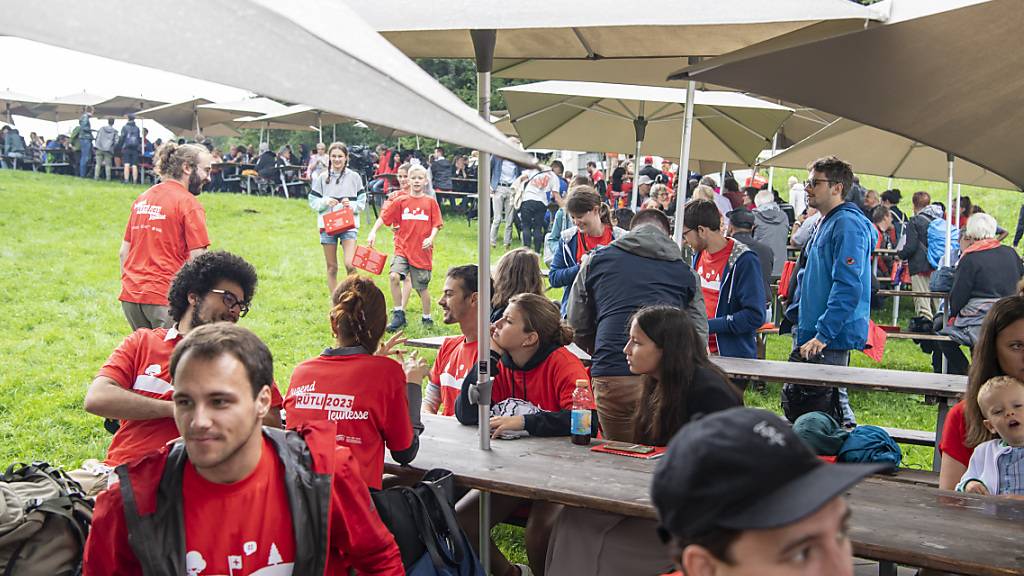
915	251
641	268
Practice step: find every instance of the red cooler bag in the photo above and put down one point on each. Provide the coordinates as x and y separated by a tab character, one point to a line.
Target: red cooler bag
339	221
368	259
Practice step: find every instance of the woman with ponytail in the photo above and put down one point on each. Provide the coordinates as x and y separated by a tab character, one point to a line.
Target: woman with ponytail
335	188
535	378
372	400
592	228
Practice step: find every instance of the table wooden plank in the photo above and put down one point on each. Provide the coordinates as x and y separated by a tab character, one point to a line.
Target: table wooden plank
892	521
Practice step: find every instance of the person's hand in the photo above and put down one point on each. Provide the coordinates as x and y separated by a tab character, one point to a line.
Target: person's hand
389	348
501	424
812	348
427	243
416	368
371	238
494	343
976	487
344	202
332	202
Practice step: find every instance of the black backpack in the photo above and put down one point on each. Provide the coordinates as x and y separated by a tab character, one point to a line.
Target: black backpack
799	399
422	520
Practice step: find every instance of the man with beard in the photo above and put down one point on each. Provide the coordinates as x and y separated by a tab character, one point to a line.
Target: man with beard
166	227
457	357
234	497
134	385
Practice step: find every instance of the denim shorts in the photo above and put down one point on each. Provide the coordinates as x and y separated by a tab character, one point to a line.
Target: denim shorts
333	239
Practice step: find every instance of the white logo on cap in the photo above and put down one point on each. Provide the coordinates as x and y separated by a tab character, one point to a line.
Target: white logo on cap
769	433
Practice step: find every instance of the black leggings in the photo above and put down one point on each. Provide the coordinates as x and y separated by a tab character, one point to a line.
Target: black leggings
531	213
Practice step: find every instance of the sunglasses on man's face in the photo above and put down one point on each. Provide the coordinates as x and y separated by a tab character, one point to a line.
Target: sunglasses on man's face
230	300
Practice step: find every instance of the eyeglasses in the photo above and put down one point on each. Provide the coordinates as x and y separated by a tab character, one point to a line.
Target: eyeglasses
230	300
809	184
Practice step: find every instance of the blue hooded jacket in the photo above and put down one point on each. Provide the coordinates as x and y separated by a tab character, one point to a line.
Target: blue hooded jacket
740	310
835	284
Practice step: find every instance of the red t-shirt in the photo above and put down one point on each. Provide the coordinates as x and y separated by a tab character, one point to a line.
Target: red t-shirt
710	268
549	385
166	222
222	524
954	432
364	395
142	364
416	217
260	532
454	360
585	243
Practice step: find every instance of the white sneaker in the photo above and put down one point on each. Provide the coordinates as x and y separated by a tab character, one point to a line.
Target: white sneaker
524	570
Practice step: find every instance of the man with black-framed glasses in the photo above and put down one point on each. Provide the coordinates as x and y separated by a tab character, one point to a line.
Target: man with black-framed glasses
834	286
134	385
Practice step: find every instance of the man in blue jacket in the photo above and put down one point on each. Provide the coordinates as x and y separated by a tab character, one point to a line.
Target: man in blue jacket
730	280
835	284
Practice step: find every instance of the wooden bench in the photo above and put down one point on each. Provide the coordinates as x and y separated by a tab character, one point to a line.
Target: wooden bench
893	521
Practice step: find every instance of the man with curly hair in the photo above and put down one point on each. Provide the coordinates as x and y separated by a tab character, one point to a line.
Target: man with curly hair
134	385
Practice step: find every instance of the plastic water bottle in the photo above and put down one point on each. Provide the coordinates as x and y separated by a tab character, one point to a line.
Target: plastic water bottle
582	407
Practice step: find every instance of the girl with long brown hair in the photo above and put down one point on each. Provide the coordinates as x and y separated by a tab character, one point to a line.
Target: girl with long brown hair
592	228
333	189
517	272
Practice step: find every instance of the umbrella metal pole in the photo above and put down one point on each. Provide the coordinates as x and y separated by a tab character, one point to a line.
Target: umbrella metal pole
683	175
640	126
771	169
320	126
483	44
721	180
334	132
947	257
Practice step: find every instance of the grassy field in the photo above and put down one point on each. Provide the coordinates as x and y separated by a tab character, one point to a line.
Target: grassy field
59	315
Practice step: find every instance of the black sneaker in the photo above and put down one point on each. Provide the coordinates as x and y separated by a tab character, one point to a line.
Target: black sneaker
397	320
428	322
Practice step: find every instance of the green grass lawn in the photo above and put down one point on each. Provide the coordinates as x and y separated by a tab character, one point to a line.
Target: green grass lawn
60	318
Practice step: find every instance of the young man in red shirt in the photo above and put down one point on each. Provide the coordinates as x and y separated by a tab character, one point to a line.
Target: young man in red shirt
134	385
456	360
418	220
166	227
731	282
234	497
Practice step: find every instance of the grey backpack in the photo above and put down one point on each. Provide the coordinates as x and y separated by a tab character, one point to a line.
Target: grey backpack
44	521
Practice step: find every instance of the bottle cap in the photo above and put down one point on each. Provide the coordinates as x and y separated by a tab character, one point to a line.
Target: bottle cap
582	383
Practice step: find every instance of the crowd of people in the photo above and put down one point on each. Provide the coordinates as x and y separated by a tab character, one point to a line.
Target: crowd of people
735	488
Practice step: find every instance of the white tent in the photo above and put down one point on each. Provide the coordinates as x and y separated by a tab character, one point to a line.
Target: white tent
368	78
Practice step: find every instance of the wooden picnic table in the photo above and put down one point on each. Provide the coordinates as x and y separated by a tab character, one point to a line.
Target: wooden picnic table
892	522
936	388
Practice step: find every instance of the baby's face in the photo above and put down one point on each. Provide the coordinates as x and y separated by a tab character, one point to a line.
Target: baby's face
1004	411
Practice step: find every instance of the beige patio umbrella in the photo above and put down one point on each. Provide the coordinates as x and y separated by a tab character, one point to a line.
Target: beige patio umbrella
120	106
68	107
728	126
303	118
17	103
873	151
925	74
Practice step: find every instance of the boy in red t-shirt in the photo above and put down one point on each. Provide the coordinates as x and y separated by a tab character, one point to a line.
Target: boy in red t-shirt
220	502
418	220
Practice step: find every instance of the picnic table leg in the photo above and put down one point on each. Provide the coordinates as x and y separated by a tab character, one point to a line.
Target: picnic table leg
896	310
284	184
942	409
485	531
887	568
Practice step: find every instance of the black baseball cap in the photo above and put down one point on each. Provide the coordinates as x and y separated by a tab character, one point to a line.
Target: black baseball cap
741	217
743	469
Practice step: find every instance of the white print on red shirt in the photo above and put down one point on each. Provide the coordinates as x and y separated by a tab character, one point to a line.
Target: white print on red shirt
195	564
415	214
154	211
448	378
337	406
710	278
